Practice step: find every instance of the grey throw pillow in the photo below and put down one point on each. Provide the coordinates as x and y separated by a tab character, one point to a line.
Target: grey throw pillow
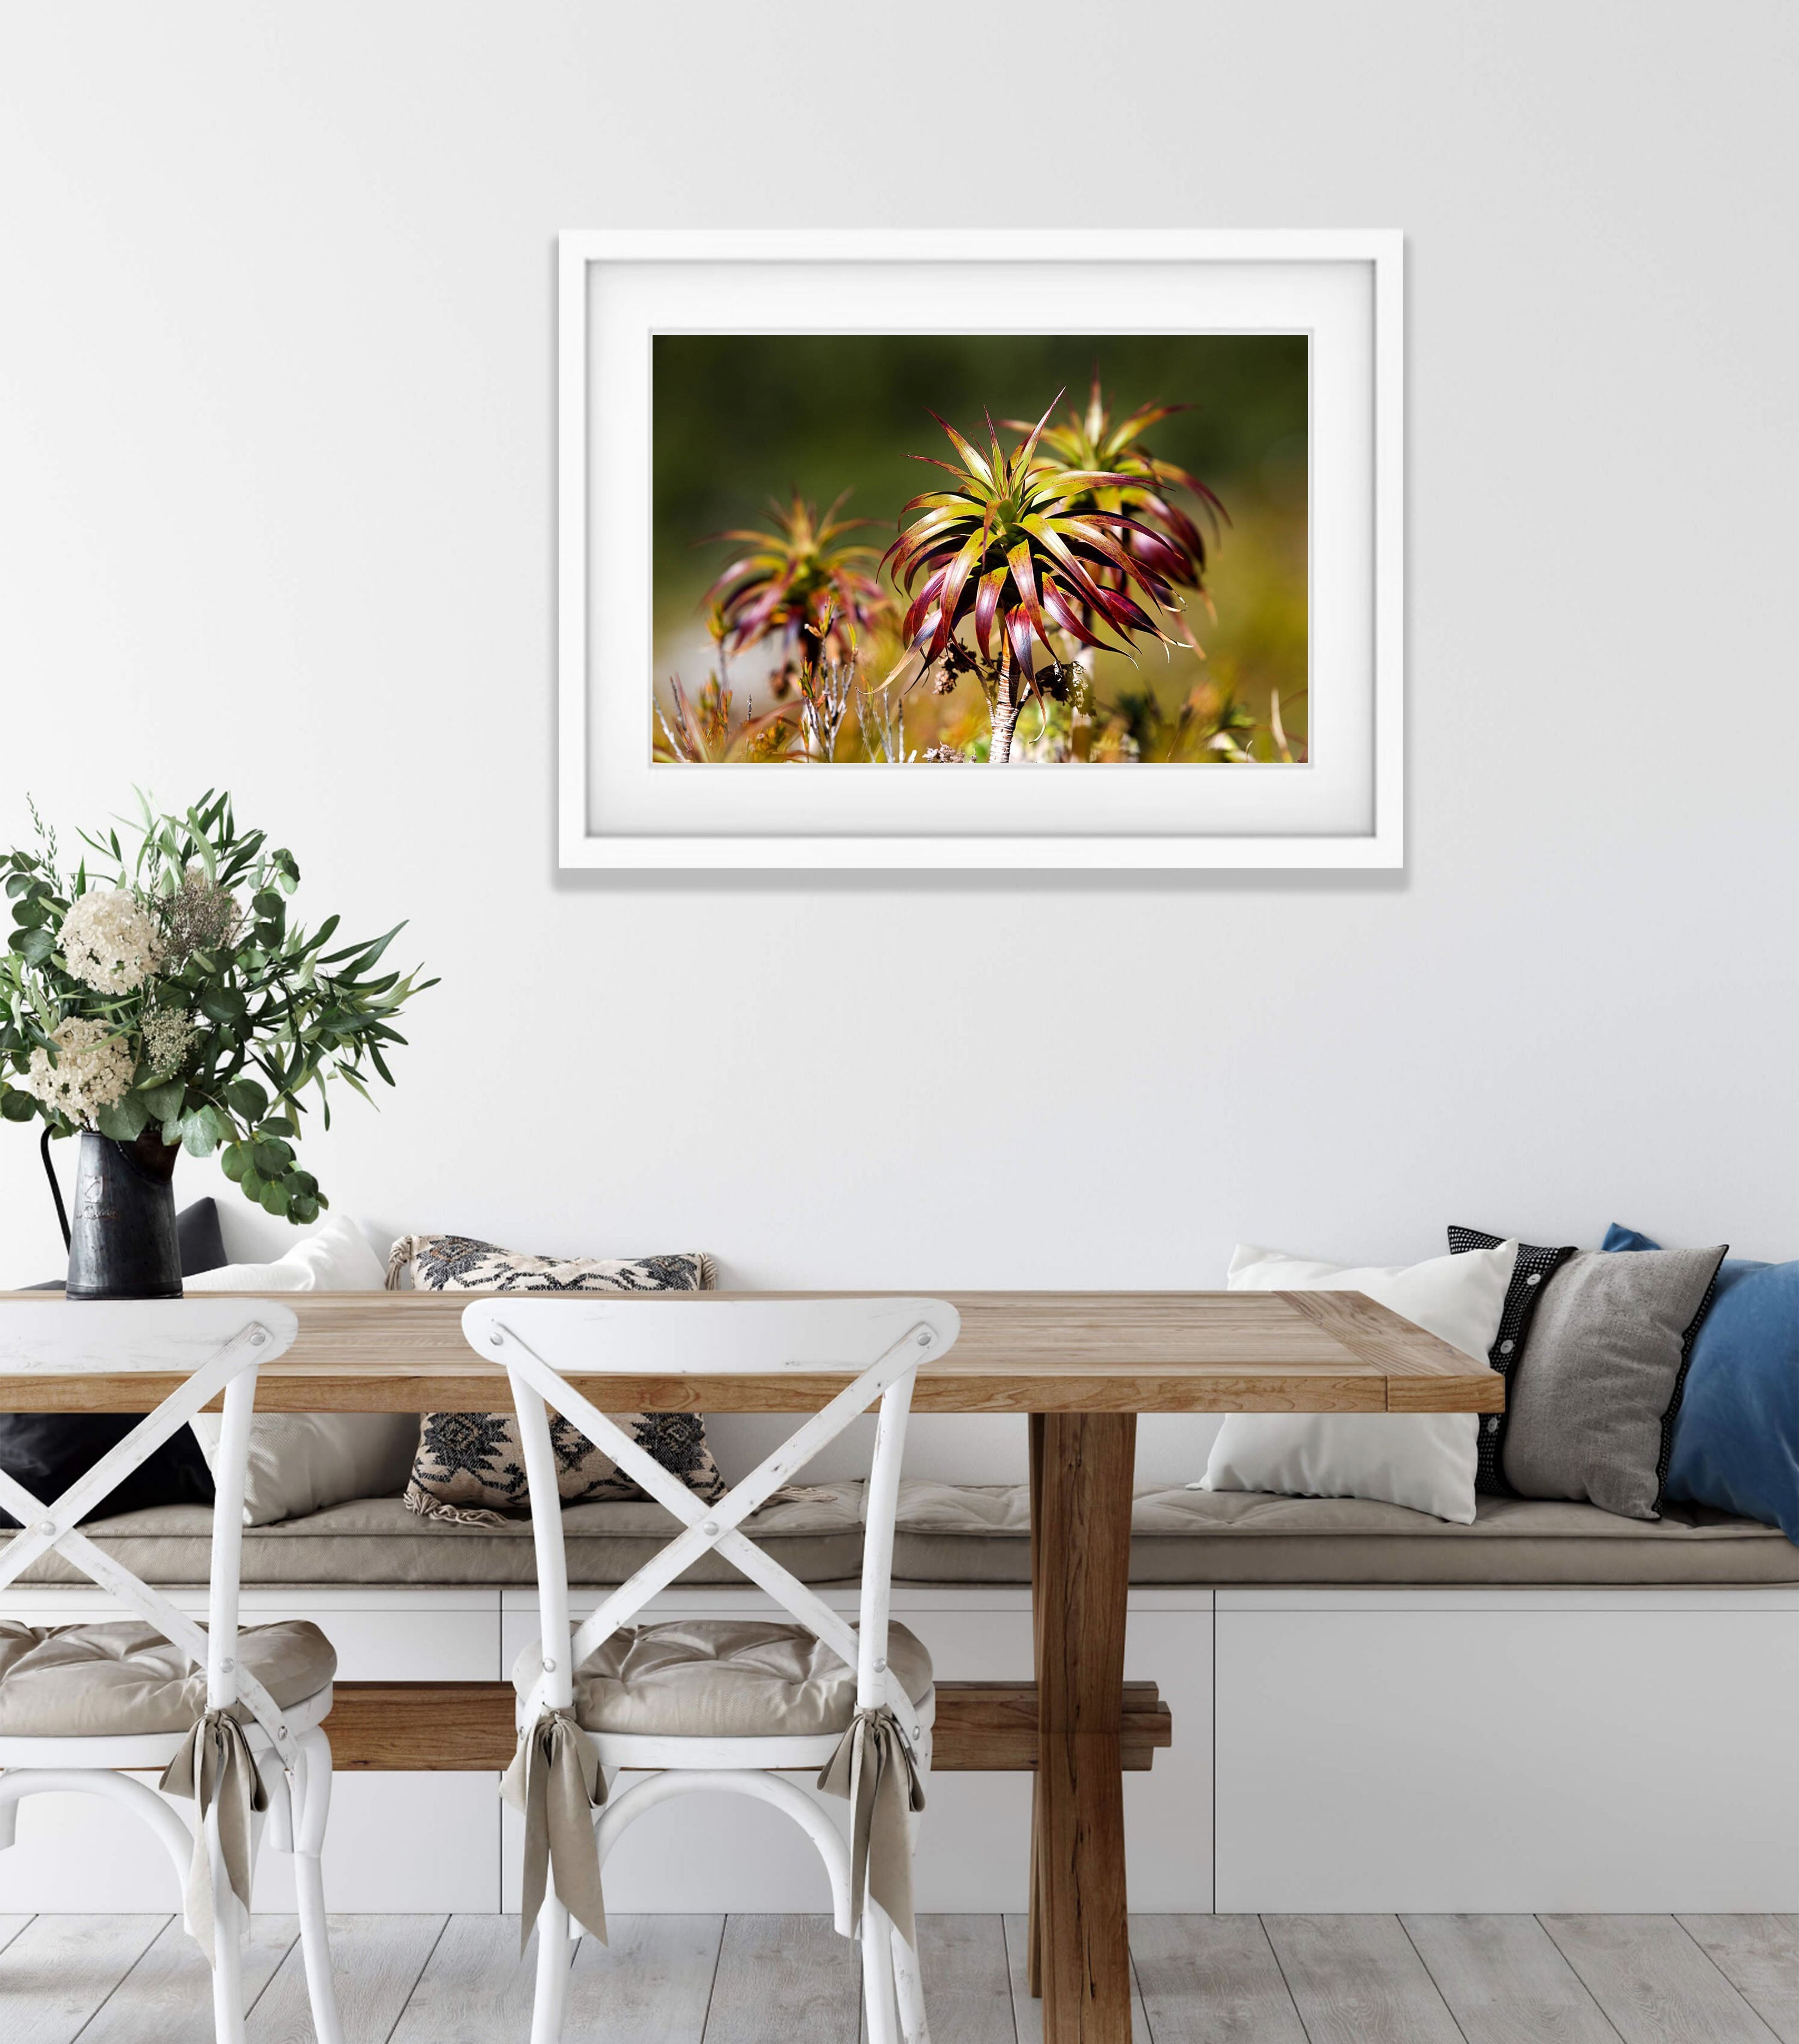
1593	1398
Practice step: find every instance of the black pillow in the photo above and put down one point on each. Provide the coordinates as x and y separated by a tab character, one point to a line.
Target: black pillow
46	1451
1533	1270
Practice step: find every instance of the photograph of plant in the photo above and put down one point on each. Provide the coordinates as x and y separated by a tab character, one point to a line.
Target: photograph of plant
881	550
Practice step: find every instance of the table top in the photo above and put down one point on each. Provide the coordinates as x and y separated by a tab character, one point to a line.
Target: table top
1019	1352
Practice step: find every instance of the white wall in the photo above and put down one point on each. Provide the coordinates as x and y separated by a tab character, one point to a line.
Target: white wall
275	512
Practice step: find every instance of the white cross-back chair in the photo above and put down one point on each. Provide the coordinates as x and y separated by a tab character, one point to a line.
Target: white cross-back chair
672	1699
78	1704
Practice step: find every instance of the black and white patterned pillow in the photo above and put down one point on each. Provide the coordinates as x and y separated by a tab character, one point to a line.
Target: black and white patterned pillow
1530	1274
459	1263
470	1467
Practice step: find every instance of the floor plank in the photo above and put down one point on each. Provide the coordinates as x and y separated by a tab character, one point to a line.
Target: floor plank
1212	1979
475	1989
58	1970
170	1989
1356	1979
967	1980
790	1980
1027	2011
1505	1982
377	1960
1654	1982
1760	1957
651	1984
784	1980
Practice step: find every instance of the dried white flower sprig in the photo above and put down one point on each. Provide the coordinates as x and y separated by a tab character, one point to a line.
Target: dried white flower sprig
168	1036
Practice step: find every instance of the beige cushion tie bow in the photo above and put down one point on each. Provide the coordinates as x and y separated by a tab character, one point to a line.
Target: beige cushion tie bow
556	1783
215	1768
874	1768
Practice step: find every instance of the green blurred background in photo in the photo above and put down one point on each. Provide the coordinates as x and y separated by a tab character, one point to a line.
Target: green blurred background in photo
739	419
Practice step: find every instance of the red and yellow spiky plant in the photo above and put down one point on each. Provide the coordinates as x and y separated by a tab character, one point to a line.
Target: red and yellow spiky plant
1145	488
1023	552
801	584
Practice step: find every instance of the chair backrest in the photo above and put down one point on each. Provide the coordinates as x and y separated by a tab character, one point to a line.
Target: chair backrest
878	1342
213	1345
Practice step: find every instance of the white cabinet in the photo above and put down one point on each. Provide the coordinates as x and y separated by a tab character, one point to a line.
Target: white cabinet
1393	1750
1501	1750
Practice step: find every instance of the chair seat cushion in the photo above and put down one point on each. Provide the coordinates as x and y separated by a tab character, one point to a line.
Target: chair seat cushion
124	1680
723	1678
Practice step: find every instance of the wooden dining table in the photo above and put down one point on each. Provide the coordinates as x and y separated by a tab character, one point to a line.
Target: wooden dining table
1081	1365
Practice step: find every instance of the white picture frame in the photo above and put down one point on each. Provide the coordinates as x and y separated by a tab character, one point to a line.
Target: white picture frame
1342	807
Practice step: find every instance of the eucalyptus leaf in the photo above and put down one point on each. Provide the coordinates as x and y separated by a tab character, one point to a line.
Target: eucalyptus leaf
223	1004
125	1120
246	1097
234	1161
164	1100
251	1186
271	1158
203	1131
367	952
274	1197
303	1209
350	1079
33	946
16	1106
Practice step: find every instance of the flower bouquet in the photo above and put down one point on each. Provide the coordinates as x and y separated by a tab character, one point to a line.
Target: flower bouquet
158	1000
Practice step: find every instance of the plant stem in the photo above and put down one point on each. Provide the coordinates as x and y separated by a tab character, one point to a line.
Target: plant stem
1004	708
1005	712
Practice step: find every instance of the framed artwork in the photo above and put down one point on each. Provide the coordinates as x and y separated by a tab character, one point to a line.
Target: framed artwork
848	521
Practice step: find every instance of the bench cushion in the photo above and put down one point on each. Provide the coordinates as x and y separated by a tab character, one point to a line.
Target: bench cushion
377	1541
1223	1538
723	1678
123	1679
961	1533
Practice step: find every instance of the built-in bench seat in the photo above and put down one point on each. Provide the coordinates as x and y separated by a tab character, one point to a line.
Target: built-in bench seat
1368	1708
960	1534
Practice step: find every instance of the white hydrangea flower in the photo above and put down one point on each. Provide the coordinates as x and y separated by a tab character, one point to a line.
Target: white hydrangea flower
108	941
92	1069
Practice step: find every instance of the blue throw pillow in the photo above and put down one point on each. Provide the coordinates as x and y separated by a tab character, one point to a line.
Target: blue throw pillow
1737	1437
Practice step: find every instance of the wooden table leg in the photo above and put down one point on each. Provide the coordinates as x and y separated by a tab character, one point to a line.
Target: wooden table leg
1081	1469
1034	1934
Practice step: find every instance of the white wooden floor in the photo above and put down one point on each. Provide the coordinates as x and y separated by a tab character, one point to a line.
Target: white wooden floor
789	1979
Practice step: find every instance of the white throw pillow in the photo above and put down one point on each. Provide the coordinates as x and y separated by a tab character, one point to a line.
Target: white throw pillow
335	1257
1426	1461
302	1461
